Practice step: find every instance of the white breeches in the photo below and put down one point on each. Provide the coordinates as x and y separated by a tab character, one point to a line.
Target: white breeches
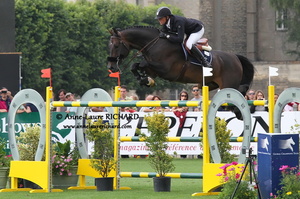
193	38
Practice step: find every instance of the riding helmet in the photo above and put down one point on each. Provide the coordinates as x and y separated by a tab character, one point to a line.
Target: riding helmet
163	12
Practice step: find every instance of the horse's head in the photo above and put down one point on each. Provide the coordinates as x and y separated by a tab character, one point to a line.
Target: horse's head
118	50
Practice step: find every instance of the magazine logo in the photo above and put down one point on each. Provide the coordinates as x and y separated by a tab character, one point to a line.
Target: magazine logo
264	144
287	144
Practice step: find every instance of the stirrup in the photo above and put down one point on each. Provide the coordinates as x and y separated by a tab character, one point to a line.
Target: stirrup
206	64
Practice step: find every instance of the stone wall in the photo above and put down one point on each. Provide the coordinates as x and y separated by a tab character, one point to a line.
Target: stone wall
288	76
246	27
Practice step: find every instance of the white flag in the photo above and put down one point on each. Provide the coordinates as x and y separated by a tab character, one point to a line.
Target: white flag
207	72
273	71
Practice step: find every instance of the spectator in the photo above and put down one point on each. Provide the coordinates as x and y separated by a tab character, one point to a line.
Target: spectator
197	97
24	108
259	95
70	97
31	107
183	95
62	97
124	97
247	97
5	100
251	94
156	98
124	92
135	98
180	112
275	98
159	108
97	109
147	109
292	106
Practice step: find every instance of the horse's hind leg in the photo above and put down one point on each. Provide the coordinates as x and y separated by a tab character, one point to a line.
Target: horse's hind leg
134	70
138	70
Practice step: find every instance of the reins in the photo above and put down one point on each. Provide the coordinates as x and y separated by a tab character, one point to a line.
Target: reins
153	42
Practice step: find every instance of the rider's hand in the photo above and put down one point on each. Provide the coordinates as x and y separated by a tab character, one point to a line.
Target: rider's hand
162	35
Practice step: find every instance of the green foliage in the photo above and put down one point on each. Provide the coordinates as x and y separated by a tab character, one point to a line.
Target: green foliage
293	7
28	142
230	176
64	159
289	182
295	128
160	160
65	149
102	157
72	39
62	165
4	158
223	138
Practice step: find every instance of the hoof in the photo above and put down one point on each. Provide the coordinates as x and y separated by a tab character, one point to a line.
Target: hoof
147	81
151	82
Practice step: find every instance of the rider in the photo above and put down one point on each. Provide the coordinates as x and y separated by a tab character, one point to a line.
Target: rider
180	26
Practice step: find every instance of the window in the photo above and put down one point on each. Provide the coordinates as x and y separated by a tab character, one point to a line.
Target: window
281	20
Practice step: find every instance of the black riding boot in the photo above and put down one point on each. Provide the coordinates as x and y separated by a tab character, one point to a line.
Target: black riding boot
196	52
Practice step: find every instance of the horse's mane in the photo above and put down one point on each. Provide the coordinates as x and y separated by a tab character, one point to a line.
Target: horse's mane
141	27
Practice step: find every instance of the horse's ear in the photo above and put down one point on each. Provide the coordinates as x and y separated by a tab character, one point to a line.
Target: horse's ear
116	31
110	31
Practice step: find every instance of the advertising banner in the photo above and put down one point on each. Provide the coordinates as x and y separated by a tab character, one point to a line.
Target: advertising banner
63	128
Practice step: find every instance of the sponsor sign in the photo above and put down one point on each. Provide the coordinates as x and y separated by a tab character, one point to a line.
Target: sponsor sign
63	128
274	151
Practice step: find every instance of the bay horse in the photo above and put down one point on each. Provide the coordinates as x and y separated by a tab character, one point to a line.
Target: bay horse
168	61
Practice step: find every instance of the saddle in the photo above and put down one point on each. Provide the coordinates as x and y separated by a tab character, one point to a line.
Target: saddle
202	44
204	48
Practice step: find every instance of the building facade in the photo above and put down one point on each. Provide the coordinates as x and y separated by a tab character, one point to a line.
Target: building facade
246	27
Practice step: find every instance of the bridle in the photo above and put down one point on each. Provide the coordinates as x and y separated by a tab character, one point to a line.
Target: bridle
121	57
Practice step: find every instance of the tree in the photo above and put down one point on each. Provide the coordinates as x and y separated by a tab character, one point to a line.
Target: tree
293	7
72	39
146	18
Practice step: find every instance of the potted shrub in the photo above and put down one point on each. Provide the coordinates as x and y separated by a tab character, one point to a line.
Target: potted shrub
4	163
160	160
64	165
102	158
28	143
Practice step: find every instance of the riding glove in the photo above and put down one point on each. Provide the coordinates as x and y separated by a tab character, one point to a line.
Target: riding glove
163	35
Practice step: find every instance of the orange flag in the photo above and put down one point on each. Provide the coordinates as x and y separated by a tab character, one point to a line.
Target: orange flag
116	74
46	73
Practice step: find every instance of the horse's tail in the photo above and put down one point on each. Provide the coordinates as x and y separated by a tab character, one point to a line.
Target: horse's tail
248	74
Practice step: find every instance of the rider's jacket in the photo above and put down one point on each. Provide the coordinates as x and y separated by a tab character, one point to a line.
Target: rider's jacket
178	26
